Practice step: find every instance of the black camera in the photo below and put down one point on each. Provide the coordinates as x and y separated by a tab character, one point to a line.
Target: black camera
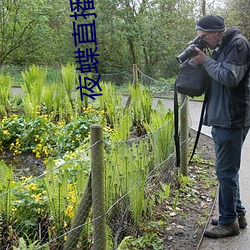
190	51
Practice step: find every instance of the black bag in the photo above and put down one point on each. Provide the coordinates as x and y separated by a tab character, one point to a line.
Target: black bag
192	80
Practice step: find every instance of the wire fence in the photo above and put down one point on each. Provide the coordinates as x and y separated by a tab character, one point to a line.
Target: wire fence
53	73
118	78
54	210
42	208
158	87
162	87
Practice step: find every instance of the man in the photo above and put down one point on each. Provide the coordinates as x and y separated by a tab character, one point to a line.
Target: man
228	112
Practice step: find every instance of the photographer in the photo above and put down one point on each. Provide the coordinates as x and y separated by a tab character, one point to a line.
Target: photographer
228	112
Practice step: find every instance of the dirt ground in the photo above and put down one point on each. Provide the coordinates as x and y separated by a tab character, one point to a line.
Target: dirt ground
187	222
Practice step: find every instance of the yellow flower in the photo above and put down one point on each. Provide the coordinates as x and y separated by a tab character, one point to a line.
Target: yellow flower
71	194
31	187
69	211
73	199
16	152
14	209
37	196
6	132
26	178
38	155
45	151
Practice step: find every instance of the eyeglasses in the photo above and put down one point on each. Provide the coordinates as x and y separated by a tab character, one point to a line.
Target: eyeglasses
203	36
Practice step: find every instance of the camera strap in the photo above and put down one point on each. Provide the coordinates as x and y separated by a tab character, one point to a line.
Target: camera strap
176	127
199	127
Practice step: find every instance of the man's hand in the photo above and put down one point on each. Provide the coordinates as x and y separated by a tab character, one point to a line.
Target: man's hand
200	58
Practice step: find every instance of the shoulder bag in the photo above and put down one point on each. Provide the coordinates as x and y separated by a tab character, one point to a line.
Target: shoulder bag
192	79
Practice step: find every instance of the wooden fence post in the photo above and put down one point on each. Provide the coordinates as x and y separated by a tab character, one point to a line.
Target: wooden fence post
184	135
135	82
98	195
135	74
80	218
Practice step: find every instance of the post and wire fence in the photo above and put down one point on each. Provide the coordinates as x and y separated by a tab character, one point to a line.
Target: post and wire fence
102	200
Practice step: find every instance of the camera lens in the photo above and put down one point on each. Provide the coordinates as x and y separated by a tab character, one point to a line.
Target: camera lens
187	53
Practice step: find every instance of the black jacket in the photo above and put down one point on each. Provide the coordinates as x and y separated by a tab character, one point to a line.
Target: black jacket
229	90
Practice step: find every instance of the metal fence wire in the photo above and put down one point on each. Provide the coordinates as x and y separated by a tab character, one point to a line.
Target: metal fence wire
41	211
64	207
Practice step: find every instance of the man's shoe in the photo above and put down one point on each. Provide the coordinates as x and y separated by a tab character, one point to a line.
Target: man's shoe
221	231
241	219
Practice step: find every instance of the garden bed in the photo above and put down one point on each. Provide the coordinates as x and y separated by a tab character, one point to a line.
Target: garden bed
25	164
179	220
150	204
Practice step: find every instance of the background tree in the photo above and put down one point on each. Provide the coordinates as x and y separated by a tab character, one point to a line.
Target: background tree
146	32
149	33
237	12
33	31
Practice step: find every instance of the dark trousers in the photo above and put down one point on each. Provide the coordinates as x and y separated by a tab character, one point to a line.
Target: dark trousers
228	145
